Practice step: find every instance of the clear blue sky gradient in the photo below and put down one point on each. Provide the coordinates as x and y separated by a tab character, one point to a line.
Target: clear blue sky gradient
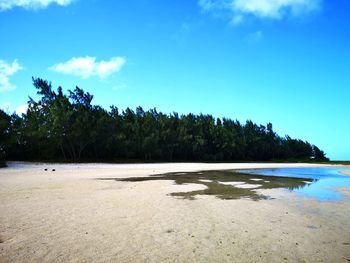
293	71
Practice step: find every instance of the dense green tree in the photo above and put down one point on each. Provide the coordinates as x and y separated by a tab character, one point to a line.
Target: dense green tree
317	153
69	127
5	124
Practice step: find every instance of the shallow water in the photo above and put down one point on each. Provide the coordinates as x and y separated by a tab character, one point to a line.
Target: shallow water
225	184
319	183
325	181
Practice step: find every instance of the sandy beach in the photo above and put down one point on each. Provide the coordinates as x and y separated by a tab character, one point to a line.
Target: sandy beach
68	215
347	172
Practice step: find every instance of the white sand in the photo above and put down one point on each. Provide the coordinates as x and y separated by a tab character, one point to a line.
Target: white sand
205	181
347	172
69	216
248	186
256	179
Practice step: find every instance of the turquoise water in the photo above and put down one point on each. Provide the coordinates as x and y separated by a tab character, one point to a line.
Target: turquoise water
325	181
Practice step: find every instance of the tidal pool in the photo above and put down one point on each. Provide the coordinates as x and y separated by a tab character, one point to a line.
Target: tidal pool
225	184
319	183
325	181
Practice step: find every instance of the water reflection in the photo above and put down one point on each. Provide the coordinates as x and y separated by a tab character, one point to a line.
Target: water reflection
325	181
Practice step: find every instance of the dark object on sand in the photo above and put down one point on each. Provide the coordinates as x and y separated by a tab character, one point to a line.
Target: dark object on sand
45	169
53	170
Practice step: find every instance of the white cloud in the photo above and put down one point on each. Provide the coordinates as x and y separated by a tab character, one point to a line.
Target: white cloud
272	9
208	5
31	4
22	109
86	67
6	71
7	107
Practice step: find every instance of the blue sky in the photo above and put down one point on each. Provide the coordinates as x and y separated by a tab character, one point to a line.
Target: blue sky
280	61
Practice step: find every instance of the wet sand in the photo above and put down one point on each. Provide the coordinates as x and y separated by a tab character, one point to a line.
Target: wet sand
347	172
67	215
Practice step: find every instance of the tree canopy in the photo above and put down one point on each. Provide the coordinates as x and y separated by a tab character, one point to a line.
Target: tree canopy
69	127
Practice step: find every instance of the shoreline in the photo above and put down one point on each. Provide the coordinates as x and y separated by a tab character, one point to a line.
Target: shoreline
173	165
69	215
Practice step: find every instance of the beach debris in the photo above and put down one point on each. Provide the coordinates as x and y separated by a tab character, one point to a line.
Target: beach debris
45	169
53	170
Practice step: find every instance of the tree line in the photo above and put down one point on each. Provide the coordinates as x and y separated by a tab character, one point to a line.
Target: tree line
68	127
